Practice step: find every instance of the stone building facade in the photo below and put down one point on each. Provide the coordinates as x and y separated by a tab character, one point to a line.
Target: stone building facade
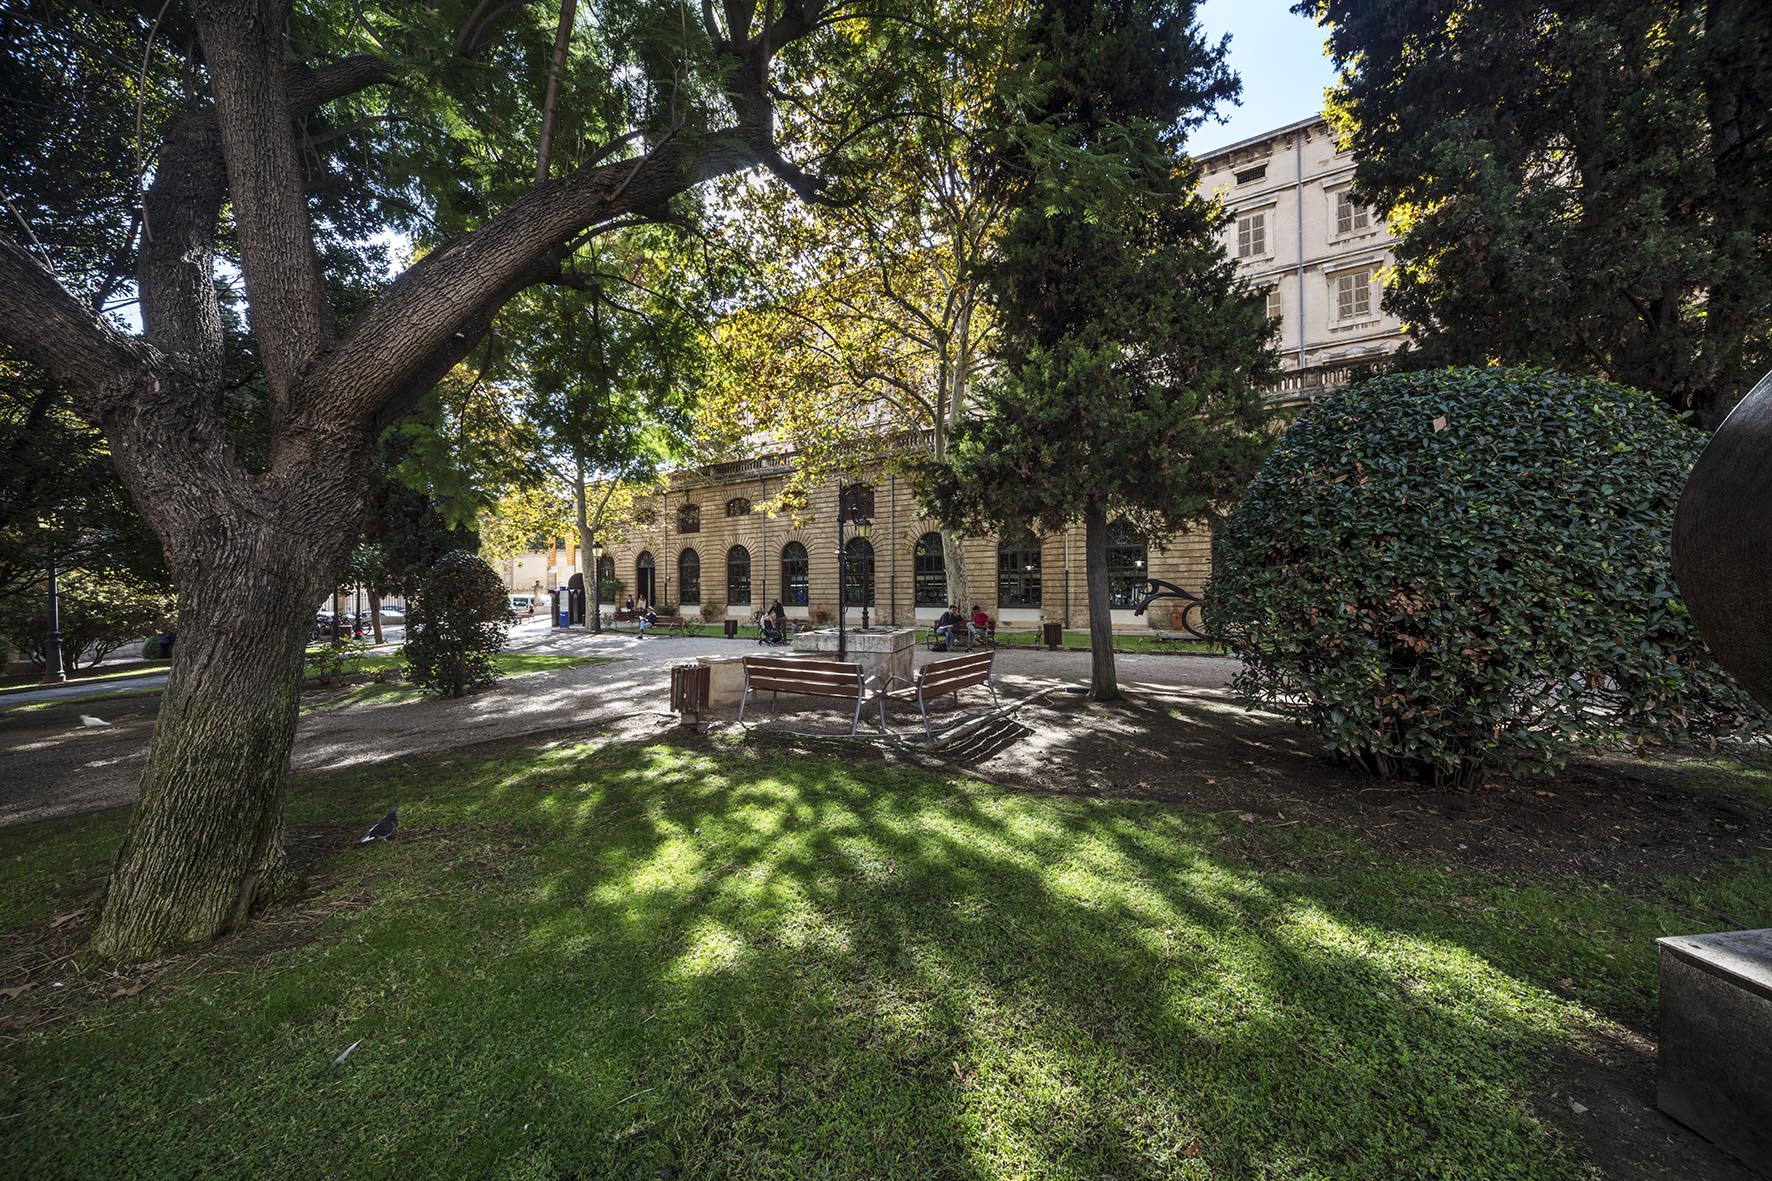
702	544
1295	231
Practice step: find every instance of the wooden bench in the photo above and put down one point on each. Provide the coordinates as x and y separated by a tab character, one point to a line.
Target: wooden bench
938	677
815	678
666	623
961	631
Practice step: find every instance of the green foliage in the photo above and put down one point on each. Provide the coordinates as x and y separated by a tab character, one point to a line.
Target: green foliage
455	626
1575	185
1130	354
1454	572
328	662
99	613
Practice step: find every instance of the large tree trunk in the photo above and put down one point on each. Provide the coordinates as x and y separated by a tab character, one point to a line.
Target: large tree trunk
1104	683
375	614
205	844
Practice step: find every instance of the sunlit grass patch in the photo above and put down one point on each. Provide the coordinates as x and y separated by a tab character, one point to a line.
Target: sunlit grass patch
609	960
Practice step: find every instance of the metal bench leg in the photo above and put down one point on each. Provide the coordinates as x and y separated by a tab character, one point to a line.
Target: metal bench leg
855	722
992	686
924	710
743	697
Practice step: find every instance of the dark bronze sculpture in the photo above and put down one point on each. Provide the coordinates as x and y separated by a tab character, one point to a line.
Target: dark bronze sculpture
1723	543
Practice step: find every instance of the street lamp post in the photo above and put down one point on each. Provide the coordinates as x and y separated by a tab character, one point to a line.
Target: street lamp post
847	514
596	586
54	670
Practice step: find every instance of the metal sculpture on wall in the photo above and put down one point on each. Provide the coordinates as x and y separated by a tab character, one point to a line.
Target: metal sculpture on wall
1723	543
1153	589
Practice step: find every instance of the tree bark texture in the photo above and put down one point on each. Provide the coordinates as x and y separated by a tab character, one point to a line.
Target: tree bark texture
205	845
252	552
1104	681
1723	543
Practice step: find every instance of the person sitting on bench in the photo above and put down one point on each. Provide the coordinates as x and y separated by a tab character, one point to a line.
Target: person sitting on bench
945	627
649	618
978	627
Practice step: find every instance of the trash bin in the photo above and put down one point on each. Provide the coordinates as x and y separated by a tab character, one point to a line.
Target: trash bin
689	690
1052	635
732	629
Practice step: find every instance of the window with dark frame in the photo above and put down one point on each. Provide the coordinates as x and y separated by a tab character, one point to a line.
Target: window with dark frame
858	503
1127	562
738	577
689	577
738	506
689	519
1018	571
1259	172
929	571
858	583
795	575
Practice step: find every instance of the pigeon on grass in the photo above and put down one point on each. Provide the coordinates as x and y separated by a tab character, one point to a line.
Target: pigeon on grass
383	829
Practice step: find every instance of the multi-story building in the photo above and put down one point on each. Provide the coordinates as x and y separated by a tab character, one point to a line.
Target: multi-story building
702	545
1296	231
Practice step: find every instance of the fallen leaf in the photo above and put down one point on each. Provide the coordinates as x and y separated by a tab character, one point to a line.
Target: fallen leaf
59	919
347	1052
1439	424
1577	1108
1247	817
12	994
1192	1150
128	989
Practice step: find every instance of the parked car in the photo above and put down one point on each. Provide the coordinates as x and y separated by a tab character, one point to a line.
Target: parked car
393	611
522	605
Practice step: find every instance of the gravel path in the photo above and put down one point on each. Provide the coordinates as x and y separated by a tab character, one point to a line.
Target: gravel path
52	765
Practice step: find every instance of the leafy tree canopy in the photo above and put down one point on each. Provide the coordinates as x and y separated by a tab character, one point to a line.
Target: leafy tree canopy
1130	354
1578	185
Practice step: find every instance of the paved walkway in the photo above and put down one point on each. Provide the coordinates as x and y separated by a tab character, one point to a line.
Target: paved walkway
56	769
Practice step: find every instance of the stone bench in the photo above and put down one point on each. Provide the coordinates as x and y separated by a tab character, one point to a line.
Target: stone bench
1715	1070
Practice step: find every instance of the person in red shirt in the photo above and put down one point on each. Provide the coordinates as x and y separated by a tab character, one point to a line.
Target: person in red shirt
978	627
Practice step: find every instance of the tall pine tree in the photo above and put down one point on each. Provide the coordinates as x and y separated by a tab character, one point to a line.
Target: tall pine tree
1131	357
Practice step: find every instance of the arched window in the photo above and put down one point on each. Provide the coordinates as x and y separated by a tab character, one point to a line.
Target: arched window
689	519
1018	571
929	572
858	562
738	506
858	502
645	589
1127	561
795	580
688	577
738	577
605	576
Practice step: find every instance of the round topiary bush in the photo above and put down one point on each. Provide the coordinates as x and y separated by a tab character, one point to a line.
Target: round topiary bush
1462	571
455	626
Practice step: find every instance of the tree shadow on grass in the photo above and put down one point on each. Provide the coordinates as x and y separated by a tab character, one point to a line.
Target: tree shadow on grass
677	962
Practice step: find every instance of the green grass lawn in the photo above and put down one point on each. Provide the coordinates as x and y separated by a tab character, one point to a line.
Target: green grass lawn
511	664
606	961
145	668
1123	642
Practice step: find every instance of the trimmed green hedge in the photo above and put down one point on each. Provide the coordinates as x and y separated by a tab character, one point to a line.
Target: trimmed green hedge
455	626
1468	570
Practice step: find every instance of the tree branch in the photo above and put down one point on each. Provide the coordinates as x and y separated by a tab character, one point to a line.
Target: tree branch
70	341
243	50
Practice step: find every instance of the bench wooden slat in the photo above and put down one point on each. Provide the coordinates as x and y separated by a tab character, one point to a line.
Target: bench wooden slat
814	678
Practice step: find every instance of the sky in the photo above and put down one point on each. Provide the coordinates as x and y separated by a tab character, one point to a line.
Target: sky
1280	58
